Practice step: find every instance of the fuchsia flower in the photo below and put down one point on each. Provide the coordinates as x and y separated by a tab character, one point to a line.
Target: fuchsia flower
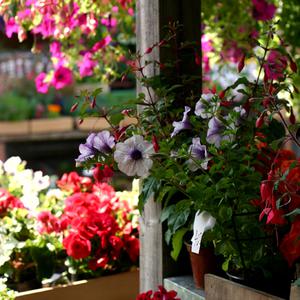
275	65
11	27
262	10
62	77
41	85
86	65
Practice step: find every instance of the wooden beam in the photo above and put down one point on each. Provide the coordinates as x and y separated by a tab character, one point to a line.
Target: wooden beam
152	17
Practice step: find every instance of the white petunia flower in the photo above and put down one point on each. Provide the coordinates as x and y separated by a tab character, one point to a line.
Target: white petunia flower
30	200
133	156
40	182
11	166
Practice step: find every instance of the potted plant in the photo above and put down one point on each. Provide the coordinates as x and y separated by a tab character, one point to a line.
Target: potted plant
205	153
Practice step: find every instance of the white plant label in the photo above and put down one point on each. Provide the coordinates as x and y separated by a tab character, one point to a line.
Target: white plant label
203	221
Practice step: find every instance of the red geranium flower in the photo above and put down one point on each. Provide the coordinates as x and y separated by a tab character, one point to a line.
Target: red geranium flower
76	246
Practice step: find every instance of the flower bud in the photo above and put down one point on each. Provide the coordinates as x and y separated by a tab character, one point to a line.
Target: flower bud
241	63
74	107
149	50
292	117
293	66
260	121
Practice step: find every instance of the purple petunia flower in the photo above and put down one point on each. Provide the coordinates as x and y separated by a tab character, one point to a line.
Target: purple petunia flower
133	156
198	152
183	124
205	106
102	142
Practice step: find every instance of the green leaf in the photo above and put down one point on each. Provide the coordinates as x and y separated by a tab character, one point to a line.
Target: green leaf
44	260
177	241
225	213
150	186
225	264
166	212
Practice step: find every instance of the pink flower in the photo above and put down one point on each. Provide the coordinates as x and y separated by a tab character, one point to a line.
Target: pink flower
11	27
262	10
62	77
86	65
24	14
101	44
41	86
55	49
109	22
275	65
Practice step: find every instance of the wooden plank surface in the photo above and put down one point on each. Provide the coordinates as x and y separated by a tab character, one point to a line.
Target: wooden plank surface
123	286
217	288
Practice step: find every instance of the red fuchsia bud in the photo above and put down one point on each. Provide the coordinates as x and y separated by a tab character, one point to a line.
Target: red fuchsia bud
222	94
162	66
74	107
93	104
161	43
102	173
149	50
214	89
124	77
80	121
266	102
226	103
119	133
126	112
155	143
292	117
260	121
293	66
241	63
272	89
197	59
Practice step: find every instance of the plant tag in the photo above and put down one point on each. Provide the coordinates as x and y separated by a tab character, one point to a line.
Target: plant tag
203	222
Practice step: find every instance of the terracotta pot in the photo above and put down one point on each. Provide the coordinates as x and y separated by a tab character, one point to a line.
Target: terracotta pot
202	263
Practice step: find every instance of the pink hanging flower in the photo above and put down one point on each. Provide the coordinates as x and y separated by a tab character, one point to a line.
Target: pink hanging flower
11	27
86	65
62	77
275	65
109	22
101	44
41	85
262	10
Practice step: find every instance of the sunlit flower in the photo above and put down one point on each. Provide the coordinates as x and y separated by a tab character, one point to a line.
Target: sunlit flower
197	152
133	156
183	124
102	142
11	165
41	85
62	77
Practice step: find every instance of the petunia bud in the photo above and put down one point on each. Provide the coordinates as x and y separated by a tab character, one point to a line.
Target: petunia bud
241	63
260	121
74	107
292	117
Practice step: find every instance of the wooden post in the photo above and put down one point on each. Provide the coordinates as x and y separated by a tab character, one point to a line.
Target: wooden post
152	17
